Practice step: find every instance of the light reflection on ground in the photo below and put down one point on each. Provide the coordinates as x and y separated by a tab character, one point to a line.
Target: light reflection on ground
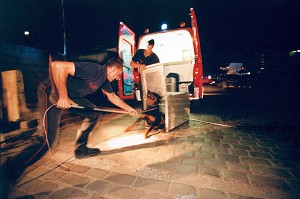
125	141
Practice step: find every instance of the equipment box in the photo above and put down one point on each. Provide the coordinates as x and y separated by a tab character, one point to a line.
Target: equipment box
175	105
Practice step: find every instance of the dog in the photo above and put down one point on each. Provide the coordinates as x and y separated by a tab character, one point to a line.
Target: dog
154	118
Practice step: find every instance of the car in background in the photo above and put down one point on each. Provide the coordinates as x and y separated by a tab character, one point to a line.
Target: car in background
234	75
208	80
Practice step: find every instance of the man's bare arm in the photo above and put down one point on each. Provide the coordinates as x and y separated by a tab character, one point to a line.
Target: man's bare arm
60	71
137	65
113	98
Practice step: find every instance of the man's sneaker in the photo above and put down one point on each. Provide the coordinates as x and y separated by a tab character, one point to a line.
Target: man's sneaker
85	152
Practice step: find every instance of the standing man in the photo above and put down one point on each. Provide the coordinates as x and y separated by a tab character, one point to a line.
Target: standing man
144	57
71	83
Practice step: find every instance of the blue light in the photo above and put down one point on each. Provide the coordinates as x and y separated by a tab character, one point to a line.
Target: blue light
164	26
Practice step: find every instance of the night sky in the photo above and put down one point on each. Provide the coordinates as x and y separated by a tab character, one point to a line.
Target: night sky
230	31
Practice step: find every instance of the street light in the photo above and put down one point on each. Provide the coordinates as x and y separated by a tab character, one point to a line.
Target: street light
26	32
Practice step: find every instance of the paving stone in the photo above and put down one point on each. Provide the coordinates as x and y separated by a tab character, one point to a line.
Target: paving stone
157	185
98	186
229	158
53	175
211	194
154	195
269	182
266	143
225	146
68	193
247	139
270	171
242	147
256	161
285	164
261	149
202	144
20	194
29	184
201	136
237	196
204	155
214	163
231	137
166	150
39	171
97	173
216	136
248	143
182	189
261	155
176	160
197	139
215	150
165	166
208	171
44	188
192	161
295	185
120	178
174	146
192	148
75	180
125	192
236	175
95	196
296	173
237	167
80	169
287	157
231	142
185	153
239	152
285	151
185	169
214	140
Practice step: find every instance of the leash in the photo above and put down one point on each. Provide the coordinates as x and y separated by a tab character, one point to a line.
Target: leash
111	110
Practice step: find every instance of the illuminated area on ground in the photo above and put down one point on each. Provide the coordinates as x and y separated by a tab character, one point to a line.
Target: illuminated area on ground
127	140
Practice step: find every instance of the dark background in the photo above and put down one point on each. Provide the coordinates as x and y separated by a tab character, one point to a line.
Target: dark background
230	30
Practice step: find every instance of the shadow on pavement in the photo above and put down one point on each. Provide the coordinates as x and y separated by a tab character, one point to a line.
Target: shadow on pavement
14	166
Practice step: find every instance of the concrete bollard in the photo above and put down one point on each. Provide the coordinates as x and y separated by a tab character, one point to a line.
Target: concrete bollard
13	95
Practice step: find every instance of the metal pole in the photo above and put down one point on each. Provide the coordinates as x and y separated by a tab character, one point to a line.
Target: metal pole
64	27
111	110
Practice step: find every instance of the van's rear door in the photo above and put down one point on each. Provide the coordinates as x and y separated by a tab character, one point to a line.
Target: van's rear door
198	68
126	49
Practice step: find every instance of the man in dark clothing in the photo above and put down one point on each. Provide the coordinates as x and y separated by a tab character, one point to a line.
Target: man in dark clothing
71	83
144	57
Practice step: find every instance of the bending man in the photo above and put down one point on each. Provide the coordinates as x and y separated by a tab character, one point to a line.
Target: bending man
71	83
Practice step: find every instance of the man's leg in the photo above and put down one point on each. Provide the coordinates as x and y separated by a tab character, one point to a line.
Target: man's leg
90	120
50	120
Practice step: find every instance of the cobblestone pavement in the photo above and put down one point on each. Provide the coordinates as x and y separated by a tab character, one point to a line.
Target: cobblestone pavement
196	160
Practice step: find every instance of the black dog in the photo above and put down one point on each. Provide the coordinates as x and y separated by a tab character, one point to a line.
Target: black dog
154	118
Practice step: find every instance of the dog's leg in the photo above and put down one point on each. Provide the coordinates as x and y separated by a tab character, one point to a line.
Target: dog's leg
148	131
133	125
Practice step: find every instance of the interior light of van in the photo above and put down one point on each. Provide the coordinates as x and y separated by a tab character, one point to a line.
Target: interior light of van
164	26
182	24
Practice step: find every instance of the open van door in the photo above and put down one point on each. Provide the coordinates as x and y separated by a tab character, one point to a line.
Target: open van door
197	71
126	49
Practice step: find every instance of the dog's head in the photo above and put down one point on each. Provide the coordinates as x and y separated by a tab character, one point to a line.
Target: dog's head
153	98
